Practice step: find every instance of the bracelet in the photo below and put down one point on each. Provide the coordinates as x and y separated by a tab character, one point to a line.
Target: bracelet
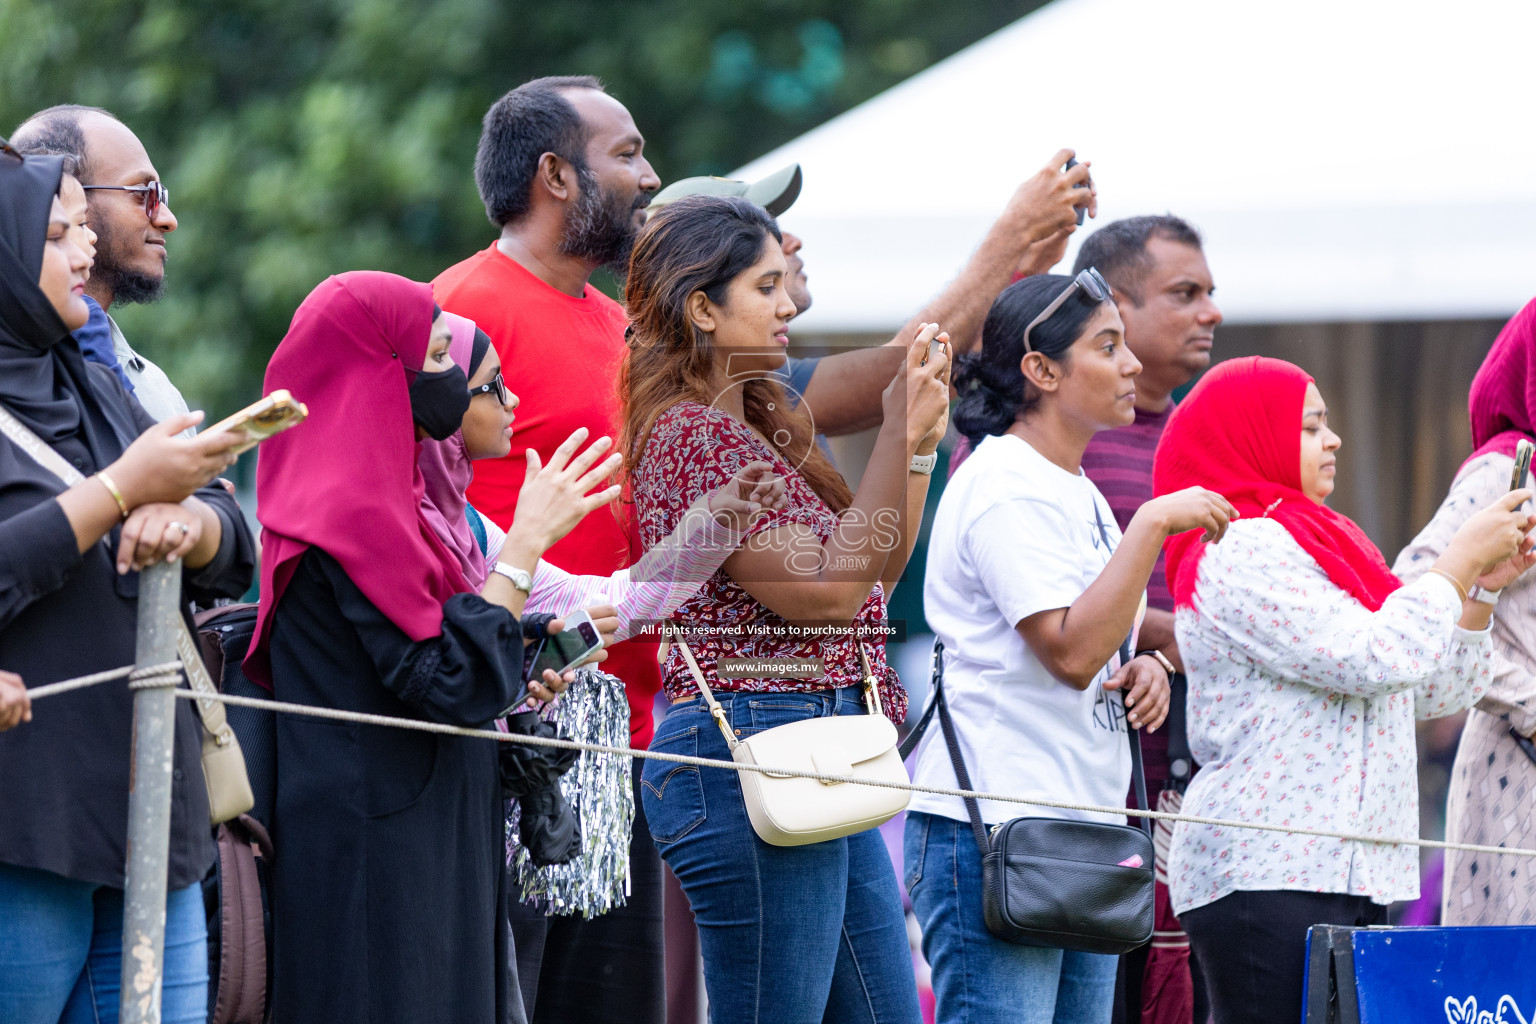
1461	590
1162	660
117	495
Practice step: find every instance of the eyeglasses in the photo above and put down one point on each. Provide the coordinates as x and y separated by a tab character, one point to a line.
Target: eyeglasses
497	385
1090	281
154	194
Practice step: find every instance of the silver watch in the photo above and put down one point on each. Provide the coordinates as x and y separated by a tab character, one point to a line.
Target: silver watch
521	578
923	463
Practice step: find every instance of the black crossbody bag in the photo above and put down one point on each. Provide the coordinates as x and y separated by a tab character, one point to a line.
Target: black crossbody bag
1079	885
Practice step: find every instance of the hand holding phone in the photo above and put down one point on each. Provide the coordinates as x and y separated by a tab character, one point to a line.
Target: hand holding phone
1081	210
1523	451
559	652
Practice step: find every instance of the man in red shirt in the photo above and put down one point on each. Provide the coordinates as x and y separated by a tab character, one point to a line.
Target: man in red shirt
562	173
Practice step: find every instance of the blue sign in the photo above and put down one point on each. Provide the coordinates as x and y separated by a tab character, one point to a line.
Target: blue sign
1429	975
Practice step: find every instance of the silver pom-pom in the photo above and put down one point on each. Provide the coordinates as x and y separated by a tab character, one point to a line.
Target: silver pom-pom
593	710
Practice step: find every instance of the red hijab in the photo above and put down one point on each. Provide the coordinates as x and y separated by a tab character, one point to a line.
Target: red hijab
1502	403
346	479
1239	434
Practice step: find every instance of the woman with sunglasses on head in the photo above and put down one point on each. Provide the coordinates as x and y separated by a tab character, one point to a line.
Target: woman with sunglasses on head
70	557
1308	661
1032	590
795	934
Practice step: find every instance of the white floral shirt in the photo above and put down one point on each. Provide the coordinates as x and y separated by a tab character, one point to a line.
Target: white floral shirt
1301	711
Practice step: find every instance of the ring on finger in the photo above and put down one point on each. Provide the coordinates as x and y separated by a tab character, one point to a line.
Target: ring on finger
183	527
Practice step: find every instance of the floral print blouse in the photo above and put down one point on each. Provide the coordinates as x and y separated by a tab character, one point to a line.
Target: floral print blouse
693	449
1301	711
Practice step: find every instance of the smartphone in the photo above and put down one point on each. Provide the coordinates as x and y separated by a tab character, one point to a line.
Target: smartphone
1523	452
935	346
1082	211
563	651
261	420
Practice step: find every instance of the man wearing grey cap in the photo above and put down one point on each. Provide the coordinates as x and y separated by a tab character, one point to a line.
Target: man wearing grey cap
842	392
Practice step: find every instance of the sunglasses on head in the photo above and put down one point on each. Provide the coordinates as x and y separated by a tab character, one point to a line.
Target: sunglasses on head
497	385
1090	282
153	194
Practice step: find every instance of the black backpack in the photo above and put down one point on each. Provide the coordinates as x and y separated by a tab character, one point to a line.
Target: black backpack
235	891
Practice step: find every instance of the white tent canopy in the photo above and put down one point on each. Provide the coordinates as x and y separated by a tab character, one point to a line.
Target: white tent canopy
1346	159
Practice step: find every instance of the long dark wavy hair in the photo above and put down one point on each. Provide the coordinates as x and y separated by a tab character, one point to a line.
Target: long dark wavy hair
702	243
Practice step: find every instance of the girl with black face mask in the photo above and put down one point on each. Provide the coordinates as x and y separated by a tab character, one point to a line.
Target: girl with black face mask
388	900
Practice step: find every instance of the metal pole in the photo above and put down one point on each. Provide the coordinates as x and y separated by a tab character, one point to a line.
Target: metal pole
149	799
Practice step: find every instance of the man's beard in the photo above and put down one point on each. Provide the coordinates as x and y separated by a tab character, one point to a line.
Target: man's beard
600	228
126	286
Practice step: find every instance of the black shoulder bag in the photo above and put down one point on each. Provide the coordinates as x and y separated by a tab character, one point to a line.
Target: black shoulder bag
1080	885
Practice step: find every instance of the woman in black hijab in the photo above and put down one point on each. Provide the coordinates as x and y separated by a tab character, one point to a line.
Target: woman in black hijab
69	561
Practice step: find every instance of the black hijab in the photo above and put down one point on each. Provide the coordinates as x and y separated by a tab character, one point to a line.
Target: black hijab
43	379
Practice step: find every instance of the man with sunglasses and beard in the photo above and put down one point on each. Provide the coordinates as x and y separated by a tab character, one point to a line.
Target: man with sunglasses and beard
562	172
129	210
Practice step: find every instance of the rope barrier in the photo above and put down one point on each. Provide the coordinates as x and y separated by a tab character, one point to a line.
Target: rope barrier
389	721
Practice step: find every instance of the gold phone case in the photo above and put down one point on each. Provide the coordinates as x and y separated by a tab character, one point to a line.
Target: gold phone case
255	423
1523	452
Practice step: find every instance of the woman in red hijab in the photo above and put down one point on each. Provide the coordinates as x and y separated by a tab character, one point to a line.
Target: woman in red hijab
1308	661
1489	801
385	897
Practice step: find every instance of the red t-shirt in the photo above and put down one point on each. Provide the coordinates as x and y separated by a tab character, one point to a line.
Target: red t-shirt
561	355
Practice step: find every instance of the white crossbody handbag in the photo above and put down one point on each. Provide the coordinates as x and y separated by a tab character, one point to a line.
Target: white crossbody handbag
790	810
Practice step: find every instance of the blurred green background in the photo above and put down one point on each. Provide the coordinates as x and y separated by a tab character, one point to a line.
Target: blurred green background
302	138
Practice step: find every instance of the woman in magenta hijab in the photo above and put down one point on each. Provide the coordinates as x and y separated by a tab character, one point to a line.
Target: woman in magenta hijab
391	840
1495	773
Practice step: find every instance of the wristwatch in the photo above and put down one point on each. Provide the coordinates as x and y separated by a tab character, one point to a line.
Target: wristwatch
1488	597
521	579
923	463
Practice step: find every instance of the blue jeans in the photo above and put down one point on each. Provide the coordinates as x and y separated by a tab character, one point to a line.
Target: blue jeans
978	979
789	935
61	945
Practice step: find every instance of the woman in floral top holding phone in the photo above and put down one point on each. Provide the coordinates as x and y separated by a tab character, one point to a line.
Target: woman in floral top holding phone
706	296
1308	662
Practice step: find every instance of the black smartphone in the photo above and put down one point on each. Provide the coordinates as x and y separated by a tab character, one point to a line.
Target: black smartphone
1082	211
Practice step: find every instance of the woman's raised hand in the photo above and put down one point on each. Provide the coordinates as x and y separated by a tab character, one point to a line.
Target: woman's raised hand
1494	545
752	490
918	397
15	704
161	467
1193	508
555	497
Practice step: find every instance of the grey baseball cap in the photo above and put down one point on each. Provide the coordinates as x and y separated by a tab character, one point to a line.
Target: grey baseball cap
775	193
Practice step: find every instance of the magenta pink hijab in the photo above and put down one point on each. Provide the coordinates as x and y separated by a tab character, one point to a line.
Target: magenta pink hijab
1502	402
446	473
346	479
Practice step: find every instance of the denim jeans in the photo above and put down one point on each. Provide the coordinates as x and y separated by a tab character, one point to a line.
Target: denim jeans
61	951
978	979
789	935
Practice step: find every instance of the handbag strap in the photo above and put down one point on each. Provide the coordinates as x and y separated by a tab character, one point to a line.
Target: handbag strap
871	692
211	711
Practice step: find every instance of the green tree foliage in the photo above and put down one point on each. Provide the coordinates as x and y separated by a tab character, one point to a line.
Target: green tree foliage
302	138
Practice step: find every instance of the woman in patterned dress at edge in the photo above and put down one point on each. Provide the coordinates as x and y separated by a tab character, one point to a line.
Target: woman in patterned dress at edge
1308	662
794	935
1493	779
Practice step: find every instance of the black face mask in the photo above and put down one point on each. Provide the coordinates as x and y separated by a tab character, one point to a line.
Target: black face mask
439	402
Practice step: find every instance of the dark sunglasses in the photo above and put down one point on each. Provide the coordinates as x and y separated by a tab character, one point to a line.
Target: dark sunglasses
497	385
1090	282
154	194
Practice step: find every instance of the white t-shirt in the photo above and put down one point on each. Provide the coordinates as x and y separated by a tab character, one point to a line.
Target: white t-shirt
1014	535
